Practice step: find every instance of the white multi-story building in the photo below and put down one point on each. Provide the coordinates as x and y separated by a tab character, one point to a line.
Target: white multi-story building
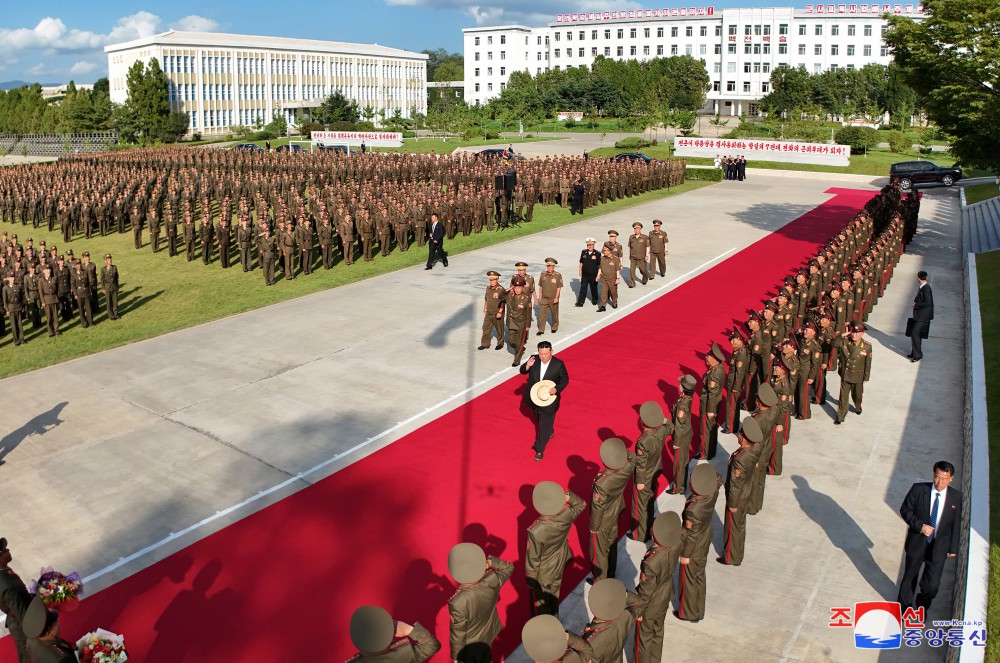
740	47
223	80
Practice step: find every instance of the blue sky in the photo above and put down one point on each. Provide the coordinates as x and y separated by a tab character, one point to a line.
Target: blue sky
54	42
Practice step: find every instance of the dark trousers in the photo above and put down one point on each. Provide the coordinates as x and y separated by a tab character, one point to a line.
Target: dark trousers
477	652
111	299
930	580
546	425
587	281
435	251
919	328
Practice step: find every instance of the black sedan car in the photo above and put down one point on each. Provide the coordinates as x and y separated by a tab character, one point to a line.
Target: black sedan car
913	174
632	157
249	147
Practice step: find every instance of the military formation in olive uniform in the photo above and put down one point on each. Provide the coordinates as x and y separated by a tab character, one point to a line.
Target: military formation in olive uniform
813	325
47	289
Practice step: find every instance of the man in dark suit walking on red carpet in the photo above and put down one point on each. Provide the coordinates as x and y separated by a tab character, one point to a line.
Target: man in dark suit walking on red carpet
544	366
933	515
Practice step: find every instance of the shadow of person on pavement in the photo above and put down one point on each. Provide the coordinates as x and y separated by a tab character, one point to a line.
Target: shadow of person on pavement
844	533
38	425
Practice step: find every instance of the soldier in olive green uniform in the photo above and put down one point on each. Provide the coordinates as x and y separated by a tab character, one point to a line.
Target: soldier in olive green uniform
267	250
766	417
325	234
616	610
548	550
522	273
683	433
736	380
109	284
606	506
550	285
656	586
616	249
82	292
810	360
649	465
855	359
611	267
518	306
696	541
657	250
189	236
546	640
475	622
709	400
14	601
638	254
244	238
13	307
825	335
41	627
739	485
493	308
783	389
380	639
48	291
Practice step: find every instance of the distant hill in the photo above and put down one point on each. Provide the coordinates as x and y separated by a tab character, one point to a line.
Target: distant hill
13	85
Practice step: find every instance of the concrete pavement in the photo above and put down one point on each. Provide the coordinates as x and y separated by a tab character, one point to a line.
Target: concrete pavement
151	446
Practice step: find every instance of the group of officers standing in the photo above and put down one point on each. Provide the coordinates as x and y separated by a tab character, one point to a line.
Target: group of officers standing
297	210
776	368
40	284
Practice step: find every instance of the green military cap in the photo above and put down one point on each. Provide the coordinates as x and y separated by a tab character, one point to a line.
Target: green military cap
766	395
517	280
717	352
493	274
750	429
613	453
551	261
651	414
667	529
544	638
771	306
548	498
606	598
637	225
703	479
788	361
612	233
857	328
69	252
520	264
688	383
466	562
372	629
736	335
36	618
107	256
657	222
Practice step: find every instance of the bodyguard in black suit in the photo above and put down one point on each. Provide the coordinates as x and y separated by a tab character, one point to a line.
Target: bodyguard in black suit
555	370
435	244
933	515
923	313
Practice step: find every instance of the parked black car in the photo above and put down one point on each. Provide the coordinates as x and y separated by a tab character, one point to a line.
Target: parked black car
288	148
632	157
912	174
250	147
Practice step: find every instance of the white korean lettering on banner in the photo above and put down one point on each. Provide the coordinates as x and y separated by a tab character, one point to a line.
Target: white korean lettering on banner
369	138
763	150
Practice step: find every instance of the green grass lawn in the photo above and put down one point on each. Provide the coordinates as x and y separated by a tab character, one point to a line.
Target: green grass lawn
160	294
977	193
876	162
421	145
609	125
988	268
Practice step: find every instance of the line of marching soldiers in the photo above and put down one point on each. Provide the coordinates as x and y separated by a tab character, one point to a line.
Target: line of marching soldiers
776	370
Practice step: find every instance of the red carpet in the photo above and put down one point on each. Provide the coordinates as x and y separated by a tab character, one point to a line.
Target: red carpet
281	584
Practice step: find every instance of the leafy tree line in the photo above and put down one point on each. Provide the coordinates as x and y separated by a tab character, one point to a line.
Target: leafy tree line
868	93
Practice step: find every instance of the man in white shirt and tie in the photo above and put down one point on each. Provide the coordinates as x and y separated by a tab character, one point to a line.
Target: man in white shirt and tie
933	515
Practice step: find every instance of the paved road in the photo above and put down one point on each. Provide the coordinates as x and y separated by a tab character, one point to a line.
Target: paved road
128	447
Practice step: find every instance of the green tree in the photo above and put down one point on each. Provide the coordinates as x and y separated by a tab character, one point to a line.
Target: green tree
337	108
950	60
790	92
278	126
148	104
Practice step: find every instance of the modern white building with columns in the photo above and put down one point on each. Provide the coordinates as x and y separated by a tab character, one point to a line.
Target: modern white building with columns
224	80
740	47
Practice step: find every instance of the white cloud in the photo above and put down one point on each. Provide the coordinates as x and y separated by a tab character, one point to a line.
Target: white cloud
485	15
138	25
195	23
82	67
38	70
50	33
523	12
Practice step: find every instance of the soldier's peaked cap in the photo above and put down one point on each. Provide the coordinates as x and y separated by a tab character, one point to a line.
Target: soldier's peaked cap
613	453
667	529
493	274
857	327
636	224
607	598
372	629
36	617
688	382
767	396
613	233
551	261
544	638
717	352
651	414
517	280
548	498
703	479
520	263
466	562
751	430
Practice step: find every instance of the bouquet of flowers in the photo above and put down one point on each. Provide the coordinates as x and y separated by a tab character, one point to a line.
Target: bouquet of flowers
58	591
101	646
